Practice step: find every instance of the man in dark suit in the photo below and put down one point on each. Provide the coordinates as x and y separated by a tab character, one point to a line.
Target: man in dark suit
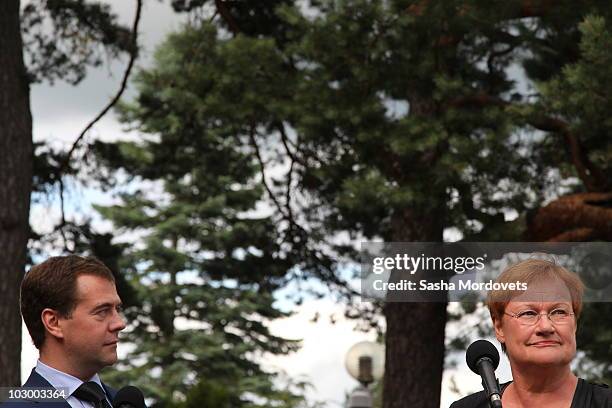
72	311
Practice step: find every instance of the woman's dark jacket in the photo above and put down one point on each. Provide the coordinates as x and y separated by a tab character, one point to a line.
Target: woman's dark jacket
587	395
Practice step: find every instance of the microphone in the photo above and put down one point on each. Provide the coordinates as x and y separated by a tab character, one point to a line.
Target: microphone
482	357
129	397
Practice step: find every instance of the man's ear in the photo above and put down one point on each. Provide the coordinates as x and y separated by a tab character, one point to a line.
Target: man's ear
499	331
51	321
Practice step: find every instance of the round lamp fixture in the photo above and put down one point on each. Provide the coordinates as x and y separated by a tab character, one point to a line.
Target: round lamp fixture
365	362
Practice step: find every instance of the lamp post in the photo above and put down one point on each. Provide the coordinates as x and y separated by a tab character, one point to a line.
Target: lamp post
365	363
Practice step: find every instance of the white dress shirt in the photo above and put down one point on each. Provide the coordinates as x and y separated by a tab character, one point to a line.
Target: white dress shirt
59	379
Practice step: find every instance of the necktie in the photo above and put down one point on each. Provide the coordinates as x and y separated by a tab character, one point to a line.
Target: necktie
93	393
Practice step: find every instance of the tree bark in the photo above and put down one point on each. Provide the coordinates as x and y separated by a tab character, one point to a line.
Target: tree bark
15	186
574	217
414	354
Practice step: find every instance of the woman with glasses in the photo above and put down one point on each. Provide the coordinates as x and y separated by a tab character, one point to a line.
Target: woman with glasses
537	331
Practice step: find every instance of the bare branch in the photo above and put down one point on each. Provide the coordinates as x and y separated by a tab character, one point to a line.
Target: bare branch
122	87
286	142
133	55
288	189
262	171
326	272
63	214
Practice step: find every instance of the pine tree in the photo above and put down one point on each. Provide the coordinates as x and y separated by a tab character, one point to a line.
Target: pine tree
405	122
49	40
396	121
580	97
206	263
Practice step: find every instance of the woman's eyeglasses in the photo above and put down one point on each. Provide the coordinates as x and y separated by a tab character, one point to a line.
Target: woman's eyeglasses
531	317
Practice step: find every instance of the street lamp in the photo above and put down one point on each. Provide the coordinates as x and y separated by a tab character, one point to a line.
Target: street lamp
364	362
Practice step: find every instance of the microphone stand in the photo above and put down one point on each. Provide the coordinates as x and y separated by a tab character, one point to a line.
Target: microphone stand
490	383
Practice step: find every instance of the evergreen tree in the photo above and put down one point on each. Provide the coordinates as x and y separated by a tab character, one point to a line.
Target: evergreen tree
58	39
206	263
580	97
48	40
406	122
396	120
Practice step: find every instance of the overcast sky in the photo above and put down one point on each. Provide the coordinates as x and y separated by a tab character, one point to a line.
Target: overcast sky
61	111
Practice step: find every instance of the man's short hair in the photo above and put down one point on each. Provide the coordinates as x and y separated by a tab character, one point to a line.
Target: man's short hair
52	284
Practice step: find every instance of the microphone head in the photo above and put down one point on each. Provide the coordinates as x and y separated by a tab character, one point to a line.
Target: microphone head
129	396
481	349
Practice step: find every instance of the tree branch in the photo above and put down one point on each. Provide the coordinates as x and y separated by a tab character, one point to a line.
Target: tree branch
535	8
528	8
587	171
122	87
292	158
227	16
262	171
576	217
471	212
575	235
320	267
66	162
591	176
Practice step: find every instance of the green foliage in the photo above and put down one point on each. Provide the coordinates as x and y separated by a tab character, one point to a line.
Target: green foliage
582	95
212	394
207	261
63	37
594	339
251	18
209	395
385	120
387	132
204	275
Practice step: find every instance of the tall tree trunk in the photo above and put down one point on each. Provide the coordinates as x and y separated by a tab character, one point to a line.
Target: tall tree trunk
414	359
15	186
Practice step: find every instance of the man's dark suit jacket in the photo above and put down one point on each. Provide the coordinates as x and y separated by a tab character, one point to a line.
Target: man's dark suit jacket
37	381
